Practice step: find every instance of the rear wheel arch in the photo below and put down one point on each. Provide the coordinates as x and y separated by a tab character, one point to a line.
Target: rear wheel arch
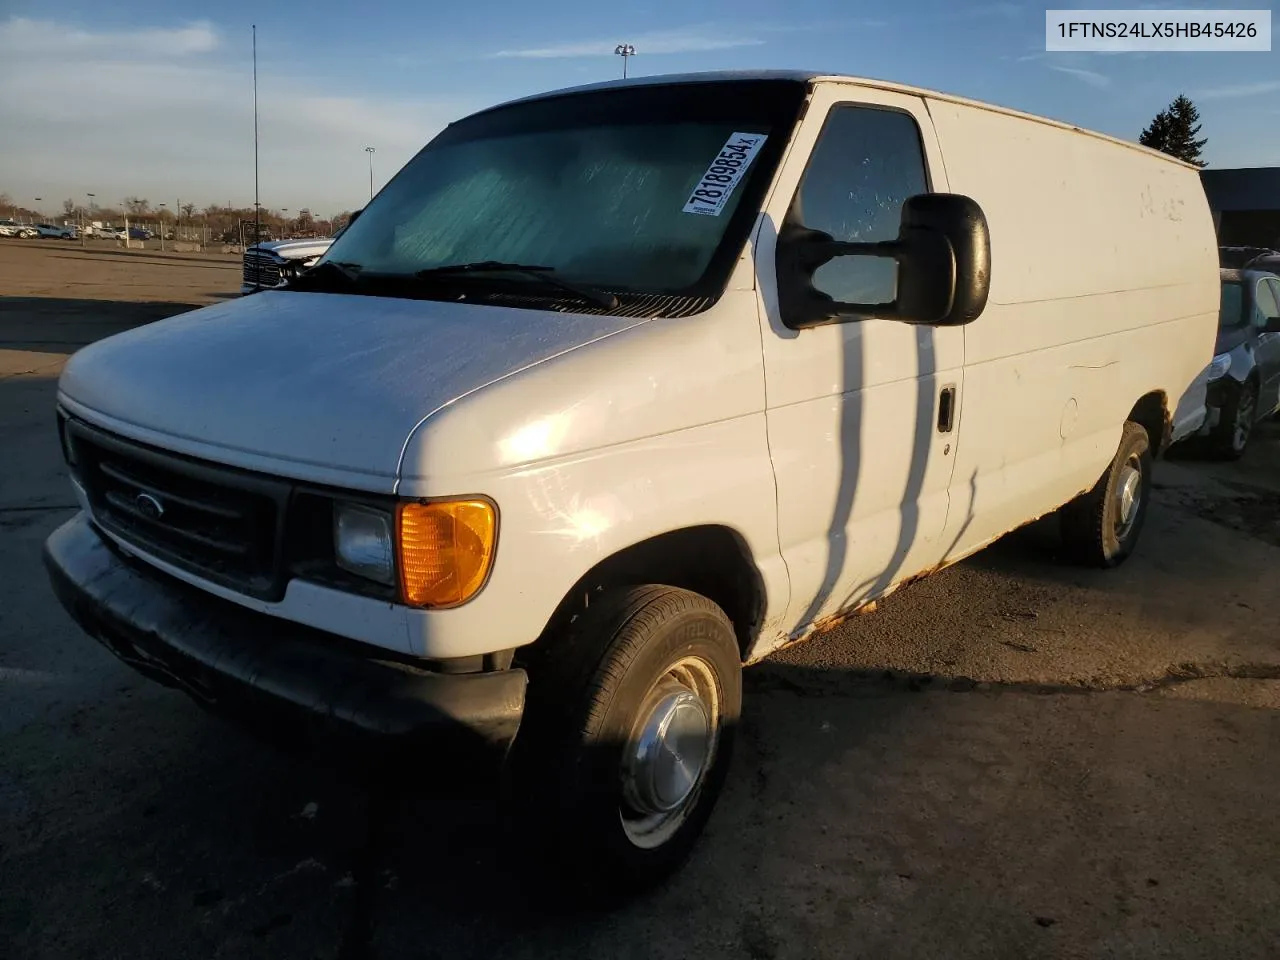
712	560
1152	413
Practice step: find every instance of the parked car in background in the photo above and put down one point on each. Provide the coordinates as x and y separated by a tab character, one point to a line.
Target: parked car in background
1244	376
272	264
57	231
11	228
1269	261
140	233
1259	258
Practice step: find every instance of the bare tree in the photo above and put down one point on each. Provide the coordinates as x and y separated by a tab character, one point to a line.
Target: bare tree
68	208
137	206
188	210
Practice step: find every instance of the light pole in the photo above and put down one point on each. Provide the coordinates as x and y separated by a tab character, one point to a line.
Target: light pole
285	225
38	200
369	151
90	196
624	50
160	218
257	207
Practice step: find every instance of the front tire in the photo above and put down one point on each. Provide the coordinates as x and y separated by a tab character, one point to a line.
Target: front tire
627	737
1101	528
1230	438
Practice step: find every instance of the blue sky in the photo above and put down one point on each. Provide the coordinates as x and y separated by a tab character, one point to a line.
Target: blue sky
154	97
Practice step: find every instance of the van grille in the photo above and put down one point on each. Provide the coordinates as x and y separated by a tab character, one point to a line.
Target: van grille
217	523
261	270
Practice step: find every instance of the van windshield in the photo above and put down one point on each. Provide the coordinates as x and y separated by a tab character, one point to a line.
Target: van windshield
647	190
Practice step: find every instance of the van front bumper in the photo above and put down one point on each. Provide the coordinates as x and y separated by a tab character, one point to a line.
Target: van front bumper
251	667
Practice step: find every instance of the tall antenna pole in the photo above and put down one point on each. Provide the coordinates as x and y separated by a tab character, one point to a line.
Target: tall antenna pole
257	209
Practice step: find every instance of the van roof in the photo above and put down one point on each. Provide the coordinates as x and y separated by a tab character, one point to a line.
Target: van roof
806	76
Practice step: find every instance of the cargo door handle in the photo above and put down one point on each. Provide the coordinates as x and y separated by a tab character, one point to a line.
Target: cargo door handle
946	409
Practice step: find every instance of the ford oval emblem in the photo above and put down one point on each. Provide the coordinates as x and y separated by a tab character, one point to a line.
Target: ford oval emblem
149	506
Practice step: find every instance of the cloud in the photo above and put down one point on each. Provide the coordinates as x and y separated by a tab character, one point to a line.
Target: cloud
686	40
168	114
1091	77
1003	11
48	38
1238	90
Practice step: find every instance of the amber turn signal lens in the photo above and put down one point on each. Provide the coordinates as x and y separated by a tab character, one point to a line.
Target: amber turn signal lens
445	550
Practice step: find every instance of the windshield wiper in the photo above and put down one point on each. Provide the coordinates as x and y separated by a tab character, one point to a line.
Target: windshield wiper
543	273
345	273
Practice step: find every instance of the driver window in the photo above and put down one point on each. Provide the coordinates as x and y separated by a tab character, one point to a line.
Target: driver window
1266	302
866	162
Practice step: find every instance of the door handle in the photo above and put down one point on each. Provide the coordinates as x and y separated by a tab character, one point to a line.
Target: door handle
946	409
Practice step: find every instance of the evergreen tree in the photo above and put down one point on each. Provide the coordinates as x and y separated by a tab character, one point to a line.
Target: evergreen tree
1173	131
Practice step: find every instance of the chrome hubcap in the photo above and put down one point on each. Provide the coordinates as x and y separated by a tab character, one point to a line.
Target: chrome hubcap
671	748
1128	496
670	753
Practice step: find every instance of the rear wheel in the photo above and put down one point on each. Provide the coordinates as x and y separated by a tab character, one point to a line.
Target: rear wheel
1230	437
1101	527
627	737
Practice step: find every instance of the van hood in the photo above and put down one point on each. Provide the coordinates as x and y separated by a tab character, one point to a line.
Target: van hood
316	386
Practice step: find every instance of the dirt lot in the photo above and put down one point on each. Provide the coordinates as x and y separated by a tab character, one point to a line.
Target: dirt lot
1016	758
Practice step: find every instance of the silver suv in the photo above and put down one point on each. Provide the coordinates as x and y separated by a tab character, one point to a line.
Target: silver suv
274	263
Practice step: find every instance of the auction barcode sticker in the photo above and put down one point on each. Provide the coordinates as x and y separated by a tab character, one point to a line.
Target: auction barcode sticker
716	186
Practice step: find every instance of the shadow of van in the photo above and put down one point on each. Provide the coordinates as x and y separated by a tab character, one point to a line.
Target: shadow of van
63	325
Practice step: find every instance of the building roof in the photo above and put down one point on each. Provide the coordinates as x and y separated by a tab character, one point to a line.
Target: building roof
1242	188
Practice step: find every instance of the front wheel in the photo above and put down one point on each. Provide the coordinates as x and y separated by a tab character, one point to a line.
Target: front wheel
1230	438
628	735
1101	527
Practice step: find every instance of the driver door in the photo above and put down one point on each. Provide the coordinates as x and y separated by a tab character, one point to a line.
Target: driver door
862	417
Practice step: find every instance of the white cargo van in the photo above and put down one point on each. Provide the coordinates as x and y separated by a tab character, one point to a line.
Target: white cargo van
614	390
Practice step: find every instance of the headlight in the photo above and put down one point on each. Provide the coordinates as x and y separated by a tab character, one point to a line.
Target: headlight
1219	366
362	542
445	550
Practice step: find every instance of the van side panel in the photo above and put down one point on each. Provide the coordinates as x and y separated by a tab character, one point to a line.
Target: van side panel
658	428
1104	288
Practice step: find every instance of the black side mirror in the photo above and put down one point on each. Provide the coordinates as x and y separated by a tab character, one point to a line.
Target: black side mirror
354	213
1272	325
943	254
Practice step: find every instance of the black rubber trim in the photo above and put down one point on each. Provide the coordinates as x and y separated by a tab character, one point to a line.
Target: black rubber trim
250	666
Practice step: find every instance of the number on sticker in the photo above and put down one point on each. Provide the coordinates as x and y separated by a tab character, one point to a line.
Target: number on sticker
716	186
